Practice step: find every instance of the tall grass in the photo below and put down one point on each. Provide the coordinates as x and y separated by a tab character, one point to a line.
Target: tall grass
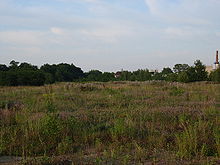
116	123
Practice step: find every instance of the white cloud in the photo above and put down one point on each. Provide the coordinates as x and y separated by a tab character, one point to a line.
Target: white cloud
89	1
217	34
21	37
108	34
57	30
184	11
179	32
152	5
29	51
102	30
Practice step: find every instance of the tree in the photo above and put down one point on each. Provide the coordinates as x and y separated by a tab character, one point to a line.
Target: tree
49	78
172	77
49	69
30	77
26	66
94	75
28	74
191	73
183	77
215	75
66	72
3	67
166	71
180	68
13	64
106	76
141	75
62	72
125	76
200	69
158	76
8	78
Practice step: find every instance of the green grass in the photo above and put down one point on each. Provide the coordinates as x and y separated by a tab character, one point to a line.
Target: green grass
115	123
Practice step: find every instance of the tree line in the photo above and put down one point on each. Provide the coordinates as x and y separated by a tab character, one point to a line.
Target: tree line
27	74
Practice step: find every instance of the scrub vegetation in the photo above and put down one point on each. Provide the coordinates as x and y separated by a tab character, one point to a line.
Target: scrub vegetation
112	123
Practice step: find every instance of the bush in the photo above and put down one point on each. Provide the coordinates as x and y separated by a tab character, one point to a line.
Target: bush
183	77
215	75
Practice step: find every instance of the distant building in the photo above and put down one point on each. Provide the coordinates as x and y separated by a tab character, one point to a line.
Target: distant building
154	71
118	74
209	69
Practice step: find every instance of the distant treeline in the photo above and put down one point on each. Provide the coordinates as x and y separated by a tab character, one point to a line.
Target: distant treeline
27	74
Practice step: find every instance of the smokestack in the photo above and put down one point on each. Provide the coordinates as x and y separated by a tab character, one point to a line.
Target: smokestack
217	62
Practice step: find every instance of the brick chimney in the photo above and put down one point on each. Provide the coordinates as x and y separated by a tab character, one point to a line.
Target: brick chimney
217	61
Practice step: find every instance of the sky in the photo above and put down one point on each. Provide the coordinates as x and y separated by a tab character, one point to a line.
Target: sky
110	35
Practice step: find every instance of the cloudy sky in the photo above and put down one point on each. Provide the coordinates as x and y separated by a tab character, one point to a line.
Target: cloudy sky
109	34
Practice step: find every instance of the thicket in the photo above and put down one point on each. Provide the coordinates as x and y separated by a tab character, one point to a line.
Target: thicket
27	74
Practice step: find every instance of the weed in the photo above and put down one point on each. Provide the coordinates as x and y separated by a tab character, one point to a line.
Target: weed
175	91
217	140
65	146
49	102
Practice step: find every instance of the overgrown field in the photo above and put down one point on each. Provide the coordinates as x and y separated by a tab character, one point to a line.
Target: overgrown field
112	123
